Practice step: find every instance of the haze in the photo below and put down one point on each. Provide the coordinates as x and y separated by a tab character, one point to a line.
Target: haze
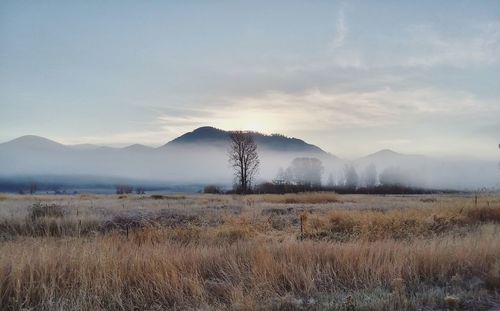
352	77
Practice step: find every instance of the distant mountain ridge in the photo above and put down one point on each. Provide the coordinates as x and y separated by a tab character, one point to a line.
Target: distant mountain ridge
205	135
388	153
276	142
32	141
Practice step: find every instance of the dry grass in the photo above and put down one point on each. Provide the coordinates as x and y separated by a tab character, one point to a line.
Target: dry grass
167	197
298	198
341	224
113	272
220	252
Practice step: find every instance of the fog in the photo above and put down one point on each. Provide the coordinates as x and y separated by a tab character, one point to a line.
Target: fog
208	164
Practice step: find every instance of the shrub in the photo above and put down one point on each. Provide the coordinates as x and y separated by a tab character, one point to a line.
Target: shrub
124	189
229	235
485	214
301	198
46	210
212	189
167	197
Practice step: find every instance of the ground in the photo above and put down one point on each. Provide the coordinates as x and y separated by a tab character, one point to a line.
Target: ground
318	251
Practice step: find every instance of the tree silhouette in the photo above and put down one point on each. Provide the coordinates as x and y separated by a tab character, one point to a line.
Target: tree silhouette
370	176
244	159
351	178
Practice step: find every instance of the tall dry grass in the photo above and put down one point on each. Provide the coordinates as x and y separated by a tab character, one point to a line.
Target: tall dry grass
297	198
220	252
112	272
409	223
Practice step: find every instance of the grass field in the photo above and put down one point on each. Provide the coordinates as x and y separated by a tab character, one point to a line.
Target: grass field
317	251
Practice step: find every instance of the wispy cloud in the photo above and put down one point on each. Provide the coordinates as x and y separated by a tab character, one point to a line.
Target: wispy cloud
336	119
277	111
480	45
419	45
341	30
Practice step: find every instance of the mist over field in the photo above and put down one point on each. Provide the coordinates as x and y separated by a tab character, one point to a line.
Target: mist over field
198	159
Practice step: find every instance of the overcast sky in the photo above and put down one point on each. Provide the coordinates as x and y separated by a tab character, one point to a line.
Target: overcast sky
352	77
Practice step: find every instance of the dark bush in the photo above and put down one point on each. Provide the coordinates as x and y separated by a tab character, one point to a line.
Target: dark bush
167	197
485	214
212	189
46	210
273	188
124	189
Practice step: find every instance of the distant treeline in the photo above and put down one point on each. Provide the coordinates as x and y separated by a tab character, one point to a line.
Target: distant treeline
94	184
271	188
379	189
305	174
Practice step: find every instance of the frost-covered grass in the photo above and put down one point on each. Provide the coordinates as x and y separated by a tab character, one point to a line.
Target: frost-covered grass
244	253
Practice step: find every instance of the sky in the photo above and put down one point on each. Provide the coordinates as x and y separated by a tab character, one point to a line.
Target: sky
353	77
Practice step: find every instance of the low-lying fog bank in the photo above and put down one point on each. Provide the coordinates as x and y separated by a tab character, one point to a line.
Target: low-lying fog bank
189	166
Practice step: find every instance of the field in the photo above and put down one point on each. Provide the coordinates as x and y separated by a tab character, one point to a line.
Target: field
317	251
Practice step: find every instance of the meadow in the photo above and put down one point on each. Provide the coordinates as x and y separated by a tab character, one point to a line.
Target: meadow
308	251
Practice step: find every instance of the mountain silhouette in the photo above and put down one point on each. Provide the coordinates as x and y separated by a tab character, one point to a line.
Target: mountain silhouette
273	142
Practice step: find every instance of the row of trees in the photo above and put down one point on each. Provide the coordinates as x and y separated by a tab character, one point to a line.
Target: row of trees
127	189
304	172
309	171
369	178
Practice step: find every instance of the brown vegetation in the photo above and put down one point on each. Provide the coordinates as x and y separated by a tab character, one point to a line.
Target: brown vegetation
298	198
224	252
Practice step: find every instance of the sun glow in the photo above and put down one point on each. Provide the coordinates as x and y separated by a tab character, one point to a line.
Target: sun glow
253	121
255	126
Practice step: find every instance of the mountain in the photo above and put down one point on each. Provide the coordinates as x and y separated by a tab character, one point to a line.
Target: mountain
384	154
138	148
32	142
85	146
276	142
209	145
204	135
388	154
387	157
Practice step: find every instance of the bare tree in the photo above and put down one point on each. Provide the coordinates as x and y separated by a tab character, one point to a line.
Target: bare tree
330	182
123	189
394	176
351	178
370	176
244	159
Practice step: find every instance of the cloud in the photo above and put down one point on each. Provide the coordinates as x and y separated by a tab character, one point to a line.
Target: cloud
341	31
317	109
339	120
418	45
477	45
489	130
